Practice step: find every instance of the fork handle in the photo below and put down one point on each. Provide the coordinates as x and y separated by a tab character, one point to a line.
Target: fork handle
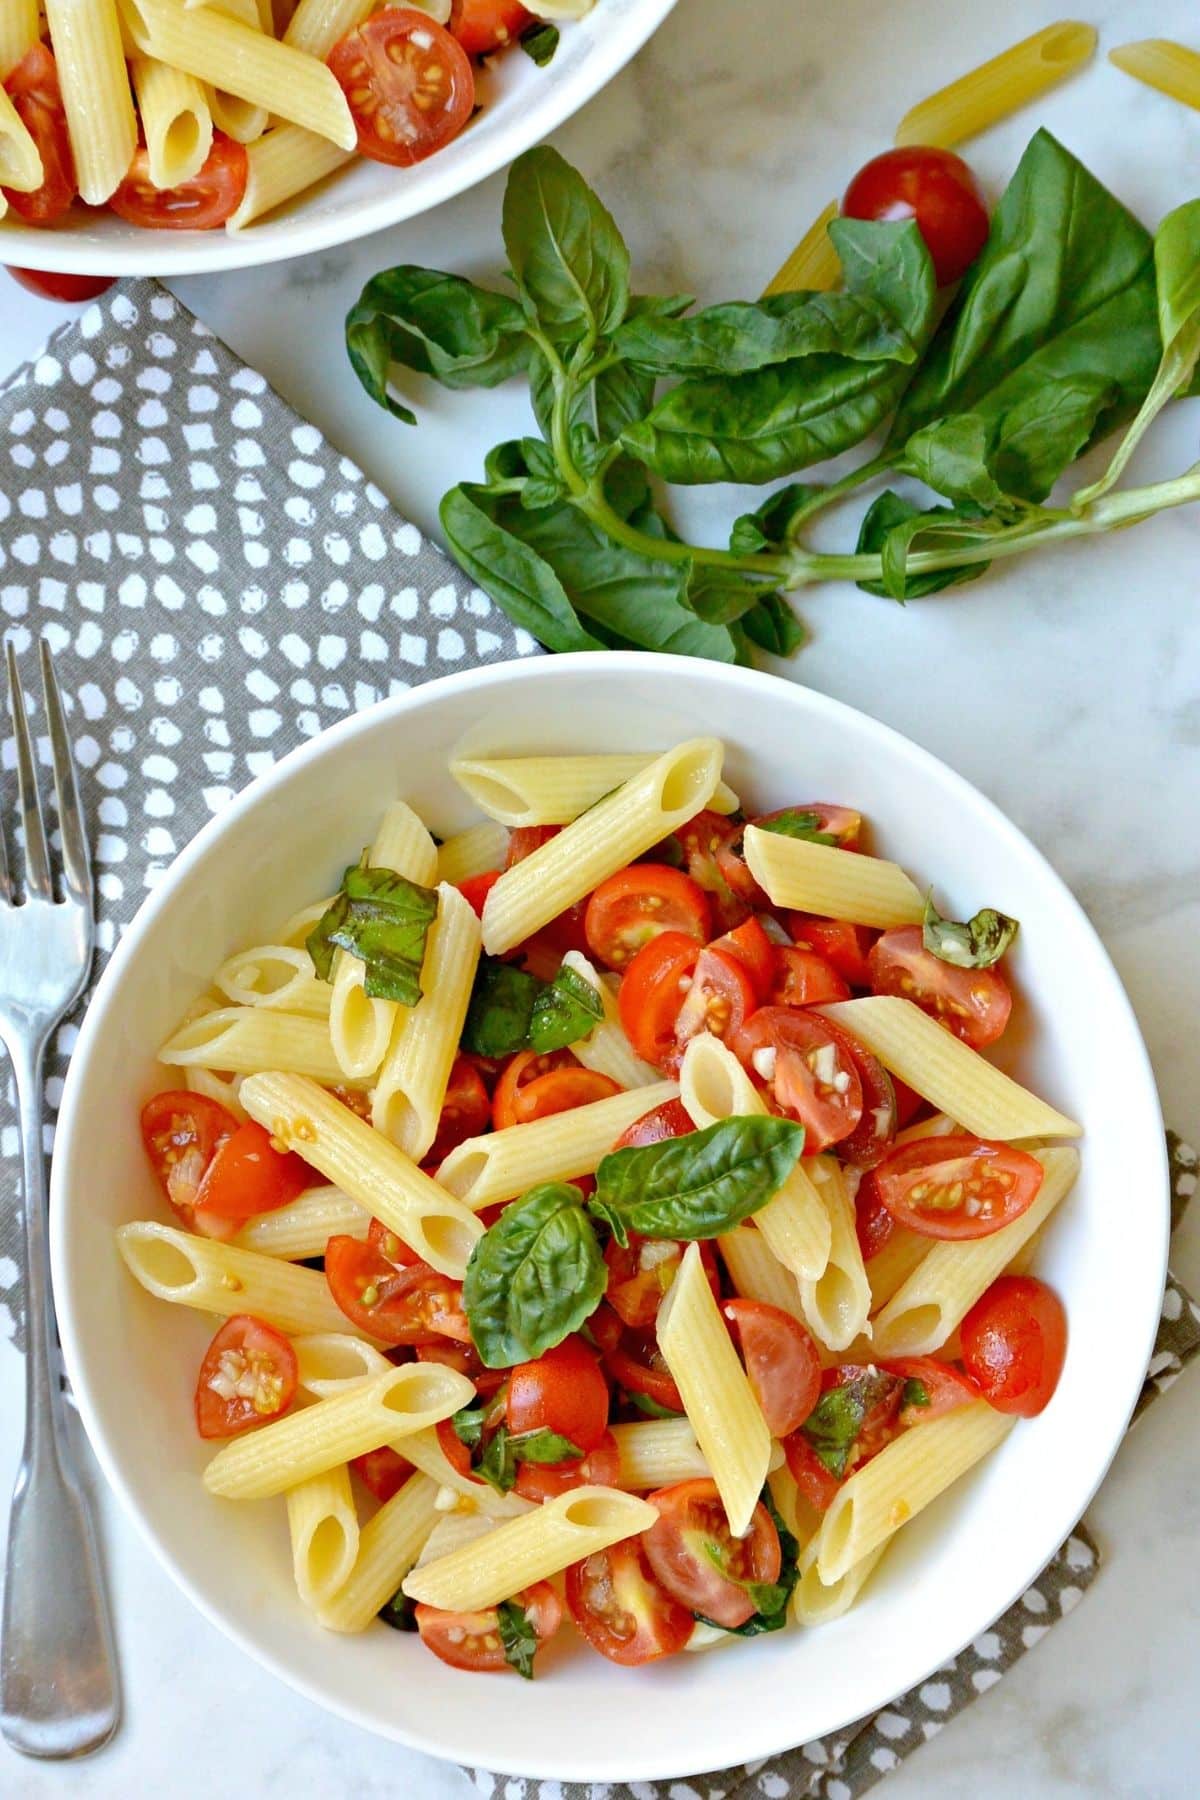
59	1693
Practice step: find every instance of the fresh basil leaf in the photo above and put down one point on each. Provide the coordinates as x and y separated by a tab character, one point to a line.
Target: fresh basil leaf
464	336
773	626
534	1277
770	1598
1042	434
794	823
568	1009
978	944
719	596
505	1449
833	1426
950	456
382	919
889	529
1064	292
539	41
468	1424
644	1404
399	1612
568	259
501	1009
515	576
914	1393
767	527
697	1186
518	1637
741	336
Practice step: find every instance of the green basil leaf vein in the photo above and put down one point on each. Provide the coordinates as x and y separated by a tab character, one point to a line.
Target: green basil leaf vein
517	1636
697	1186
534	1277
383	919
567	1009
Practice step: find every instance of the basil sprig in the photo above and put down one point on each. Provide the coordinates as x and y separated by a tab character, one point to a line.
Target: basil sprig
512	1010
519	1639
534	1277
978	944
697	1186
770	1598
383	919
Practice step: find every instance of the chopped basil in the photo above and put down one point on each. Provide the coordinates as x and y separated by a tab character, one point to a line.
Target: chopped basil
382	919
468	1424
670	853
501	1008
399	1612
795	823
770	1598
517	1636
539	41
697	1186
833	1426
498	1465
915	1393
644	1404
565	1011
978	944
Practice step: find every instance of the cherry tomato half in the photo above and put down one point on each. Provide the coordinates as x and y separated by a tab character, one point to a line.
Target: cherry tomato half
248	1376
934	187
640	1274
873	1223
476	888
533	1087
955	1187
802	978
37	98
1014	1344
564	1391
844	946
972	1003
601	1467
54	284
397	1306
872	1137
465	1112
383	1472
247	1176
696	1558
472	1640
621	1610
782	1362
670	1120
634	1361
652	991
943	1388
807	1070
485	25
182	1133
720	999
749	943
641	903
201	204
701	841
409	84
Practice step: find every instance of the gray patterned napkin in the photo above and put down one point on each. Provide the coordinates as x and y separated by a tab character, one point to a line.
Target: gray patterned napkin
218	584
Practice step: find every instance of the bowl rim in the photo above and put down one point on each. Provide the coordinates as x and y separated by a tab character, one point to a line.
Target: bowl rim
774	1737
295	234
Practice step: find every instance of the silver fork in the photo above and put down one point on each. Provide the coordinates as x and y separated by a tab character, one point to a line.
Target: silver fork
58	1674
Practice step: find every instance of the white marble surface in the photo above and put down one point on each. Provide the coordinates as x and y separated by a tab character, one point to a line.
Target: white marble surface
1070	692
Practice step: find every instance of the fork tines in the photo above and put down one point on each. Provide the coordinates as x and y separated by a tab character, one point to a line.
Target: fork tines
38	875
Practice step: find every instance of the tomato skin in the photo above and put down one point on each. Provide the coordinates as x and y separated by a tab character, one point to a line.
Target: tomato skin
621	1610
523	840
410	1304
245	1348
382	1472
485	25
545	1481
946	1386
652	991
934	187
533	1087
465	1112
845	947
53	284
752	947
35	93
929	1185
791	1051
640	903
720	999
702	840
472	1640
182	1132
691	1516
634	1361
563	1391
248	1175
201	204
640	1274
802	978
409	85
873	1223
782	1362
972	1003
841	823
872	1137
476	888
1014	1344
815	1482
670	1120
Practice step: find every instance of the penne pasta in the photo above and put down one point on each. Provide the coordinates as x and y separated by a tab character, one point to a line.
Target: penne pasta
1171	68
453	1531
216	1087
656	1453
388	1546
222	1279
323	1526
279	976
837	1305
425	1452
607	1049
607	837
90	57
553	790
716	1393
176	124
475	851
366	1166
328	1362
814	265
757	1273
285	161
891	1267
20	158
305	1225
296	931
999	87
243	1039
945	1071
815	1602
19	30
316	25
564	1530
816	878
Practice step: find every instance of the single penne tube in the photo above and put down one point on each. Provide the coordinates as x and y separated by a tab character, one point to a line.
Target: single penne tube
323	1526
658	1452
716	1394
757	1273
222	1279
176	121
1171	68
101	123
817	878
222	1089
316	25
305	1443
425	1452
814	265
502	1164
837	1304
366	1166
19	30
896	1485
891	1267
305	1225
453	1531
947	1072
940	1125
606	1049
285	161
475	851
388	1546
999	87
521	1551
279	976
415	1073
611	834
329	1362
230	55
296	931
20	158
553	790
815	1602
245	1039
795	1221
931	1304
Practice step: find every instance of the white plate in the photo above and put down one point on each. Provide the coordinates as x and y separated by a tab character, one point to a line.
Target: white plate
959	1565
523	105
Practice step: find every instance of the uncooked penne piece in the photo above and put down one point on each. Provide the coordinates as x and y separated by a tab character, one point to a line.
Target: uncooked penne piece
656	1453
245	1039
1171	68
279	976
20	158
388	1546
102	126
222	1279
891	1267
216	1087
814	265
837	1304
316	25
323	1526
999	87
19	29
816	878
475	851
757	1273
815	1602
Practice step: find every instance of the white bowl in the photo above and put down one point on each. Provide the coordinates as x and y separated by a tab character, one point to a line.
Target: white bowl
523	105
959	1565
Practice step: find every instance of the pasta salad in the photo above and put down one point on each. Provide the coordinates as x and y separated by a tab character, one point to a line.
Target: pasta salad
611	1213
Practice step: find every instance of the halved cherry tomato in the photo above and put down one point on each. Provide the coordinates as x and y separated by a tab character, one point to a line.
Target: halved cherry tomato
517	1073
55	284
816	1484
564	1391
485	25
1014	1344
652	991
641	903
972	1003
382	1472
456	1452
37	99
182	1133
409	84
824	820
533	1087
601	1467
701	840
873	1223
640	1274
909	1104
472	1640
248	1175
393	1249
844	946
670	1120
720	999
872	1137
397	1306
523	840
201	204
465	1112
807	1071
932	186
634	1360
697	1559
944	1385
802	978
621	1610
955	1187
476	889
868	1423
467	1360
248	1376
782	1362
749	943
